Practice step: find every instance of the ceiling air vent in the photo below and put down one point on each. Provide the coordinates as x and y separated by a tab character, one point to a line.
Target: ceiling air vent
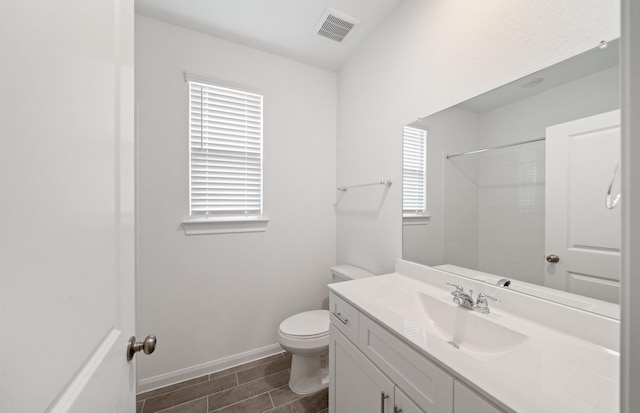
335	25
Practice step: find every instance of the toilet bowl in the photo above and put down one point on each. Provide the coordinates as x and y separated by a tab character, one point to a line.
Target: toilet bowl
306	336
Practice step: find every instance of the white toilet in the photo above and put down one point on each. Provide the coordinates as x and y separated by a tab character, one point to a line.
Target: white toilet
306	337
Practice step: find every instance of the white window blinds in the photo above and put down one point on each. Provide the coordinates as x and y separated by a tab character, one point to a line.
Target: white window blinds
414	176
225	148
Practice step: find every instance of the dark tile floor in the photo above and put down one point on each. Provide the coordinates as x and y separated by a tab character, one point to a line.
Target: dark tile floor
258	386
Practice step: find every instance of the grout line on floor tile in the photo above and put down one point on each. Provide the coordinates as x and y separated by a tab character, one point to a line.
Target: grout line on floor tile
273	405
174	390
238	402
182	404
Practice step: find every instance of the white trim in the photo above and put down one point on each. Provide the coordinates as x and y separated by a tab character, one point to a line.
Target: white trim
629	304
192	77
181	375
416	219
68	398
203	226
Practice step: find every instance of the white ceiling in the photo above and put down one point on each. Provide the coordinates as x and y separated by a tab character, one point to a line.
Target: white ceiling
283	27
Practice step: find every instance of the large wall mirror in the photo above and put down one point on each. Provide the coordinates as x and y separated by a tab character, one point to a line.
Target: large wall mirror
519	186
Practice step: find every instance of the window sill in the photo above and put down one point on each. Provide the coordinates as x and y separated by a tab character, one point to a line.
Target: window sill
416	220
203	226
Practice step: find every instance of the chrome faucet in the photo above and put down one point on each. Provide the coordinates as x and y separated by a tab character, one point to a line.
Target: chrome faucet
466	300
461	298
504	282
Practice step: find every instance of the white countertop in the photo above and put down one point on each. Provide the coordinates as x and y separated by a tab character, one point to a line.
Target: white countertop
551	371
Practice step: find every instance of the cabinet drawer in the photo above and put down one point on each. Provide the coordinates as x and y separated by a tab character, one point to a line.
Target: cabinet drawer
424	382
344	316
468	401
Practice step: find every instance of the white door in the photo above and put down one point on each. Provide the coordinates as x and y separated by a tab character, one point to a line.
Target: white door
66	182
579	229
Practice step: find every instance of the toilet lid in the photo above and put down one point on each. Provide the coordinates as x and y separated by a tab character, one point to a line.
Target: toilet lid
309	323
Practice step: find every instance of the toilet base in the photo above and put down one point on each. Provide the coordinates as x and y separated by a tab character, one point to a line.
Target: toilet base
309	373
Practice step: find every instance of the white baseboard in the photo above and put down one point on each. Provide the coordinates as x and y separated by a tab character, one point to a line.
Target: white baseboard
188	373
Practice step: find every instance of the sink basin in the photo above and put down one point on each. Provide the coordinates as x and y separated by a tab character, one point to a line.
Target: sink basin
471	332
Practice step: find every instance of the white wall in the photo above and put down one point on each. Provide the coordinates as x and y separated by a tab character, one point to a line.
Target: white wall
428	56
214	300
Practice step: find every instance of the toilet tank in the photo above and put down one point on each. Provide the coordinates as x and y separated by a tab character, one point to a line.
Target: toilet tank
348	272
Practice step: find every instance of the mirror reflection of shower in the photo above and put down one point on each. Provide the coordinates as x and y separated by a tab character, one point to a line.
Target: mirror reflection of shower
494	211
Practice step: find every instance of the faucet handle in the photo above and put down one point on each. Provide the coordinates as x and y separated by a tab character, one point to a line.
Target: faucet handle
458	288
484	297
482	305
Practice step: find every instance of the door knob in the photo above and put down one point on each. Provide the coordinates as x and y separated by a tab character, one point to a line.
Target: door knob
148	346
553	258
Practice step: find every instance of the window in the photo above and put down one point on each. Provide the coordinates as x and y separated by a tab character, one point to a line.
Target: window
225	156
414	172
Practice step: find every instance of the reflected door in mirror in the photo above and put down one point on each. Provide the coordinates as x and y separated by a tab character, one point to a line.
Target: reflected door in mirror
580	229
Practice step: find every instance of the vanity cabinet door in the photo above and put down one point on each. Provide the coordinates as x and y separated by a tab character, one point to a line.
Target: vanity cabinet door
403	404
466	400
424	382
356	385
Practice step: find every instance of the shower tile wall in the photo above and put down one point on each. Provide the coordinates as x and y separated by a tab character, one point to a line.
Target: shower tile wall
511	212
258	386
461	200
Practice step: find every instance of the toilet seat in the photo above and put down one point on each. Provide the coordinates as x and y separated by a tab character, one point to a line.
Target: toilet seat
309	324
306	332
293	336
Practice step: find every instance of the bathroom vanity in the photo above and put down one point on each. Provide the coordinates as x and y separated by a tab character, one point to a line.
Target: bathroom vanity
398	343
